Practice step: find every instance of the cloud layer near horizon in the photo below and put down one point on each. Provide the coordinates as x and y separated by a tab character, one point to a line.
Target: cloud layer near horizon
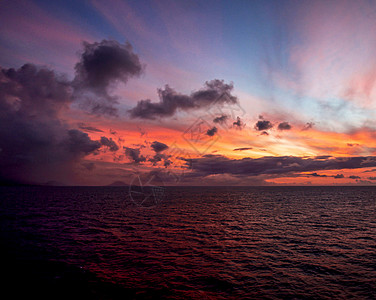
274	165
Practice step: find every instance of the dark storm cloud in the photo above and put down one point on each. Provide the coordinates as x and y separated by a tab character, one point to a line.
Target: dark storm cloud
221	119
284	126
134	154
372	178
32	91
217	164
263	125
101	66
212	131
242	149
158	146
80	142
35	144
354	177
110	143
215	91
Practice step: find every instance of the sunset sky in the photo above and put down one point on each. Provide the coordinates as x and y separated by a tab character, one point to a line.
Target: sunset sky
188	92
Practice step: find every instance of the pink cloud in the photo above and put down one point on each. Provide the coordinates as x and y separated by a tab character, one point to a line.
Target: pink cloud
335	53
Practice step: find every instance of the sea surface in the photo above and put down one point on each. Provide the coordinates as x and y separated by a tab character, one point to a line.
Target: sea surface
189	243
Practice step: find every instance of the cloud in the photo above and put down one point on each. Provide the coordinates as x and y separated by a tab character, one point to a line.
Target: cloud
242	149
354	177
284	126
238	123
221	119
30	91
316	175
80	142
88	165
158	146
214	92
101	66
88	128
338	176
34	142
308	126
372	178
134	154
217	164
263	125
212	131
323	156
110	143
158	157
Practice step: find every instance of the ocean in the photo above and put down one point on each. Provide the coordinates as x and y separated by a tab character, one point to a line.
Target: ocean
189	242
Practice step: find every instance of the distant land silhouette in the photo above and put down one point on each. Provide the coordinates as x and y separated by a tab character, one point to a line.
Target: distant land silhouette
118	183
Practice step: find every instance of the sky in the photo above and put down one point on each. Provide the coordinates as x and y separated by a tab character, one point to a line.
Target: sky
188	92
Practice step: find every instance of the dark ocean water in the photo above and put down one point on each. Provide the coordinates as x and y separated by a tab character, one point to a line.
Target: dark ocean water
195	243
